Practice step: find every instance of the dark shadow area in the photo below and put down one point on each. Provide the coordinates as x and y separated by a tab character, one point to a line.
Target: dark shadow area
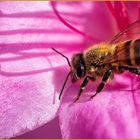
32	31
16	47
38	14
19	50
51	130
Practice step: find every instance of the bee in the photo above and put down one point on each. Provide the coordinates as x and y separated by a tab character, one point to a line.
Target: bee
103	60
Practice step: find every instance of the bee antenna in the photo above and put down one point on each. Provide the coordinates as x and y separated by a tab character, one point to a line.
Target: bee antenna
64	84
63	56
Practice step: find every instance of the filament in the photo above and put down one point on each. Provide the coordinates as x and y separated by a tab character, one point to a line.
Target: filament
119	12
68	25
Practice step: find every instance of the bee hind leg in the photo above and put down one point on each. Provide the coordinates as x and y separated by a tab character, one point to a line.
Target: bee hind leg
106	76
130	69
83	85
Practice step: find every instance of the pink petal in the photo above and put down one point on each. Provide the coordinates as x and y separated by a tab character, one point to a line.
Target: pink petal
133	10
39	74
27	87
51	130
26	99
114	113
30	74
27	33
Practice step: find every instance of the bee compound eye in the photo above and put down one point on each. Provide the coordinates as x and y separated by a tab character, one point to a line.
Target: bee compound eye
80	71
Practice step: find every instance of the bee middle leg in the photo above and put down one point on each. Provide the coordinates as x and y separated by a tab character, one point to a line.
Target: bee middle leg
106	76
83	85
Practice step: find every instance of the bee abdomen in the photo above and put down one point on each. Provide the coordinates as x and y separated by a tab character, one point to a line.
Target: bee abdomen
123	53
130	52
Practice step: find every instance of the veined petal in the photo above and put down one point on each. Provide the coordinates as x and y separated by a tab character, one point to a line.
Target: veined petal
28	69
27	98
114	113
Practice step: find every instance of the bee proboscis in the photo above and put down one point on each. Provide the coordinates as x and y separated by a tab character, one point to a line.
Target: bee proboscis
102	60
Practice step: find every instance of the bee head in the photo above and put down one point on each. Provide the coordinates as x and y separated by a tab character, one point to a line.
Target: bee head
78	70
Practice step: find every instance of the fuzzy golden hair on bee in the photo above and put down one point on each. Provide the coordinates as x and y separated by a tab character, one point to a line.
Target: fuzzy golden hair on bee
97	53
103	60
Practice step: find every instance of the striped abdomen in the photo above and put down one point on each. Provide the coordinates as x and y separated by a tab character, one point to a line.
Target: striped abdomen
128	53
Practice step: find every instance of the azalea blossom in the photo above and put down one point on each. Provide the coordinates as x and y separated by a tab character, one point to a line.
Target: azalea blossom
32	74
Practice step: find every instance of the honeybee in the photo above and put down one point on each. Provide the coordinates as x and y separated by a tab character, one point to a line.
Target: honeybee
102	60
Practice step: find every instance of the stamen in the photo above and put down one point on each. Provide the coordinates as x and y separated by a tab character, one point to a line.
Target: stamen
125	14
121	15
119	12
139	11
68	25
111	8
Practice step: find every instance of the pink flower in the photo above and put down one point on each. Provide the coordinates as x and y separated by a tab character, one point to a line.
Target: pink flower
32	74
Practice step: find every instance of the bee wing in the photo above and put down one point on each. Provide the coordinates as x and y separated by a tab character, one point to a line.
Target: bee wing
129	33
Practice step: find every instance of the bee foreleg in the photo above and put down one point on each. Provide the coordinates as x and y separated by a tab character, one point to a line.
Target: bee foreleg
83	85
102	84
130	69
